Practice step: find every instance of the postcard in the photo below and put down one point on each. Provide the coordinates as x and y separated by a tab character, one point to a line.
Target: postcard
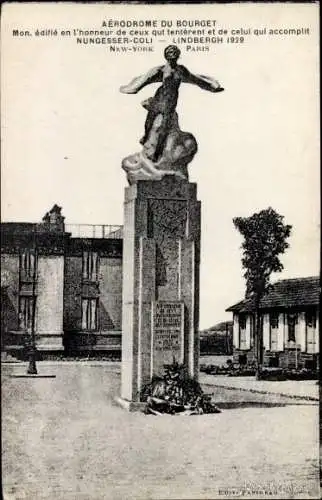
160	204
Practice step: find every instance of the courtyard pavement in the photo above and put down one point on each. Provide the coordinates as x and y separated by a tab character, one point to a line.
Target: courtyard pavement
64	439
299	389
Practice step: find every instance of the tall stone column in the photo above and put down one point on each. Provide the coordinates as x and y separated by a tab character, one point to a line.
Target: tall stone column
161	255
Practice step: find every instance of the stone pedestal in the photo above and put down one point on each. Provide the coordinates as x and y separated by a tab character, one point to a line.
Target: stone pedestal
161	255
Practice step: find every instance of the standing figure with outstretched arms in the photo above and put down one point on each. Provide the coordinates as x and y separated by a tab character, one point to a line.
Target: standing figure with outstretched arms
165	99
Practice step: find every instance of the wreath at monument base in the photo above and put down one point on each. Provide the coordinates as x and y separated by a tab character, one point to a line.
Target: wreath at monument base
176	393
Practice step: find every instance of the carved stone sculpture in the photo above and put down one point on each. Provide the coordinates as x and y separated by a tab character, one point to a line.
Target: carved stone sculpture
166	149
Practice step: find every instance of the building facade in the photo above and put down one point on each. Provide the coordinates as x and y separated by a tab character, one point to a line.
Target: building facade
64	282
289	319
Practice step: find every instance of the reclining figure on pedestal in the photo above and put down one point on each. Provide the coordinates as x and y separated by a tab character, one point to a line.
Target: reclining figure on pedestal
166	149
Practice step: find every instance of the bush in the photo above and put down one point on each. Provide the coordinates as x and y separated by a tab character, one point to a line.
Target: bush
176	392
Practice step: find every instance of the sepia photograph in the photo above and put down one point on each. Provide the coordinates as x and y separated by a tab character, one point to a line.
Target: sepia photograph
160	250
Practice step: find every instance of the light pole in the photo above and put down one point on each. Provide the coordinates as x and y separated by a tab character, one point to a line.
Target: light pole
32	368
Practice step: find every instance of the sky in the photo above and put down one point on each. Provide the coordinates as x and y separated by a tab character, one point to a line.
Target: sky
66	127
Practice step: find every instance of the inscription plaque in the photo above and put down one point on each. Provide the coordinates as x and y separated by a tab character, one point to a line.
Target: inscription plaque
167	333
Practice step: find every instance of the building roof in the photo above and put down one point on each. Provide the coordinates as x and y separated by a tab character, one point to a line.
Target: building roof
287	293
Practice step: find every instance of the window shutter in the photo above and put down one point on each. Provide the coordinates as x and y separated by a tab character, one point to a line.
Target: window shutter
236	332
282	331
247	332
94	266
25	263
93	314
84	314
85	265
301	331
317	339
32	265
266	332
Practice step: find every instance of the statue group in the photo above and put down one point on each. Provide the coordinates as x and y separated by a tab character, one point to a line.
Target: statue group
166	149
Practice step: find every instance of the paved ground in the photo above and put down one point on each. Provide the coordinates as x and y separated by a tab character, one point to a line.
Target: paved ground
64	439
300	389
214	359
293	388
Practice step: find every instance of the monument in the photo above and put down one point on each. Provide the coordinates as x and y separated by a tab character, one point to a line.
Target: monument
161	244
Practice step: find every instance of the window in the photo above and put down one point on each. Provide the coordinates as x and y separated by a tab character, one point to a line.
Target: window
90	266
89	314
25	313
273	320
310	319
27	264
291	322
242	331
242	321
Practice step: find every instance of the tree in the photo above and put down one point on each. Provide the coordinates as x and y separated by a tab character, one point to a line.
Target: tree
265	236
